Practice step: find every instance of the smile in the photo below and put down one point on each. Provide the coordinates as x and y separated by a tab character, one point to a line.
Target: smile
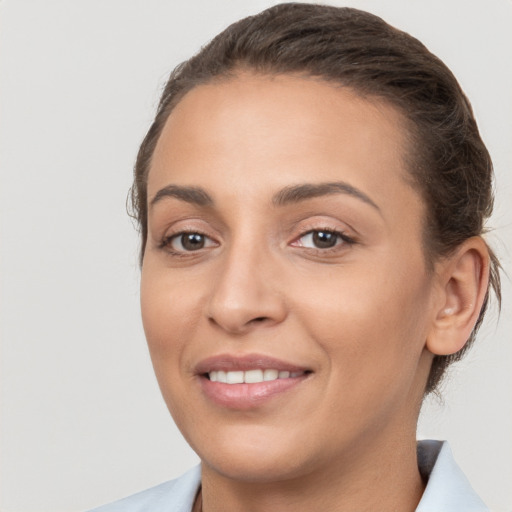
248	381
251	376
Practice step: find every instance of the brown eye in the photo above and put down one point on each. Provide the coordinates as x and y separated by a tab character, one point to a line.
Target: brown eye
324	239
320	239
189	242
192	241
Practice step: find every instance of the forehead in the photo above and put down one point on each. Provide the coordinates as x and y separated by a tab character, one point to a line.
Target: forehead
257	133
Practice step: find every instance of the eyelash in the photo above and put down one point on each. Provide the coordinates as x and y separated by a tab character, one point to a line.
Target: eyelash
166	243
343	239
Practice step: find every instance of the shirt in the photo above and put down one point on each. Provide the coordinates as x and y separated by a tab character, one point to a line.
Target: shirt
447	490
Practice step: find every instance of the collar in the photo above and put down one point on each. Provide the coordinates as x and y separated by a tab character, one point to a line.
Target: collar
448	489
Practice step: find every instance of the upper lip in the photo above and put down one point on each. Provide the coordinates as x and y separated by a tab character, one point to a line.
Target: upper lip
228	362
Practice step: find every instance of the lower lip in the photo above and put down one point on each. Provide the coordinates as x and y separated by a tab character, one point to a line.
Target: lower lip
247	396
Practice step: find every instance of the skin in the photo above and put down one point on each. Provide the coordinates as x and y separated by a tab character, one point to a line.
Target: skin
358	315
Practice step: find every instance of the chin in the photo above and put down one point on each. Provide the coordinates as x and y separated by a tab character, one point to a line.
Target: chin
253	456
269	468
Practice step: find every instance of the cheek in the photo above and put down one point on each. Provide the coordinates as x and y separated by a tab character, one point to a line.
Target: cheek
372	326
169	317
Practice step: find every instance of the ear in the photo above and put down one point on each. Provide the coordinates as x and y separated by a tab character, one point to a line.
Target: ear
462	280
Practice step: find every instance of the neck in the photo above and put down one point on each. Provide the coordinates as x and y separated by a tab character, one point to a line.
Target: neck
376	478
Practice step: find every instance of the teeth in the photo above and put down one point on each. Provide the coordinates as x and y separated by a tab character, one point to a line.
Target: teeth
270	374
251	376
235	377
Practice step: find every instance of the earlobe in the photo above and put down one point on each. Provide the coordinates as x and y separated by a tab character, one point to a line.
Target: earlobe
463	280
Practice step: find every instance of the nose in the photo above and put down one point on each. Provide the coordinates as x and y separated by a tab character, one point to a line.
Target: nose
246	292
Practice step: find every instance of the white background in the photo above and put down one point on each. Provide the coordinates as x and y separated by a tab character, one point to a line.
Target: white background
82	418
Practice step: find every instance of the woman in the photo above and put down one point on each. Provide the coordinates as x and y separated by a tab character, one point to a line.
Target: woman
311	198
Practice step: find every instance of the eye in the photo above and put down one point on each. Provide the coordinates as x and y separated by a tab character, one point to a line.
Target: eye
188	242
322	239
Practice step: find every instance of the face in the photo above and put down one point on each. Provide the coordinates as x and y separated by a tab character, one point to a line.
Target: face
285	297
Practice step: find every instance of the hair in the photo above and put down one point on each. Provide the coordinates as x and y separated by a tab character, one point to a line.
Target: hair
447	160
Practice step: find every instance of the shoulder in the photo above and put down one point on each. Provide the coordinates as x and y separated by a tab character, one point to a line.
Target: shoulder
447	488
173	496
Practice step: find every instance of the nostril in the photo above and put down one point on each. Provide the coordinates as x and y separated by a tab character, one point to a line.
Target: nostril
235	327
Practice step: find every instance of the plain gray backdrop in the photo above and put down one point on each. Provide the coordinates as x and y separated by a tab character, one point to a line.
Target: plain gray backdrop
83	422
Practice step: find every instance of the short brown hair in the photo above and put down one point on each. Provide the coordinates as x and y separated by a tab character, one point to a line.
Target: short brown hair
448	161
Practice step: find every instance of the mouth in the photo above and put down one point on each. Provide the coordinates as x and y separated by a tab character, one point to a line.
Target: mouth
252	376
249	381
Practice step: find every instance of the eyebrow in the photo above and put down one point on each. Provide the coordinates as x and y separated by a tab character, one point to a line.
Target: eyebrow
287	195
193	195
297	193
